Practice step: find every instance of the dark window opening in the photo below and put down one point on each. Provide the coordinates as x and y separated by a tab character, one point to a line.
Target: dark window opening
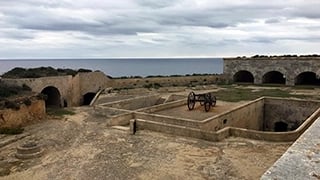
274	77
53	97
243	77
65	103
225	121
87	98
280	126
307	78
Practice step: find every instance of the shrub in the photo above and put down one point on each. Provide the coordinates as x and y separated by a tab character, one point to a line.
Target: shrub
11	131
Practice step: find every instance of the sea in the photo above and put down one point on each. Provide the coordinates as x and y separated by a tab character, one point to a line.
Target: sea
125	67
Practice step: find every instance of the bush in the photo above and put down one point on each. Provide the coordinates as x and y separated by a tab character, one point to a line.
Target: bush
11	131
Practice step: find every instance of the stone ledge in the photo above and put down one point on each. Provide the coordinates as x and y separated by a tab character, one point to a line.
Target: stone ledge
301	160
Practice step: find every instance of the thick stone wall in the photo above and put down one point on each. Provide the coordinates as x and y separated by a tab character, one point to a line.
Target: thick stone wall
24	115
290	67
71	88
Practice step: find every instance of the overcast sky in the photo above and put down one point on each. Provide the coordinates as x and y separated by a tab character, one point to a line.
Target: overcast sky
157	28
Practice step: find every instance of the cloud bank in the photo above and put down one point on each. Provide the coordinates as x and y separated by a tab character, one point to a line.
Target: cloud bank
153	28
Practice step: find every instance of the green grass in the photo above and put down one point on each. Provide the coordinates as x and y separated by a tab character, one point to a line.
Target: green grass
59	111
232	94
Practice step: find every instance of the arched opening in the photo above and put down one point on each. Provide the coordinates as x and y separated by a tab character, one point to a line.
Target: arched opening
280	126
87	98
274	77
243	77
53	96
307	78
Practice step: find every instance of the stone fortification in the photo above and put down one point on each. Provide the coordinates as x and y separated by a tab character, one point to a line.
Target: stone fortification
282	70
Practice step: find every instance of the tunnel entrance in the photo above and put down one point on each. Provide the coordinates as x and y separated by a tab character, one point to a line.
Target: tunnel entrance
307	78
274	77
280	126
53	97
243	77
87	98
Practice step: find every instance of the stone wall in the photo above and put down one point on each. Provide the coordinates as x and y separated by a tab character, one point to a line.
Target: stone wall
290	67
167	81
71	88
292	112
247	116
24	115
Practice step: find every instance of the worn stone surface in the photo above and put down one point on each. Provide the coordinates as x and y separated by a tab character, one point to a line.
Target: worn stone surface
301	160
82	147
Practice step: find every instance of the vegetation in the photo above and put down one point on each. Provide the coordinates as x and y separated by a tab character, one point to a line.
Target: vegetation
11	131
11	90
19	72
59	112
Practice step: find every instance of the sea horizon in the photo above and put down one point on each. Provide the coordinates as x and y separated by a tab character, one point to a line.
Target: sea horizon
119	67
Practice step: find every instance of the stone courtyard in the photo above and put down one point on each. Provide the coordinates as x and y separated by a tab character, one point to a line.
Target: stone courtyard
80	146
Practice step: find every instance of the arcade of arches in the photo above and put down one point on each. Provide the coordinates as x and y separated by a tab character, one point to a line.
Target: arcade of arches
275	77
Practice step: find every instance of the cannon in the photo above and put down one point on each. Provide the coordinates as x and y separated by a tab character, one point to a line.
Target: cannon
207	100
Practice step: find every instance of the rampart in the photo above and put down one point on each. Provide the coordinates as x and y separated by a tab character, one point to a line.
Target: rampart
278	70
65	90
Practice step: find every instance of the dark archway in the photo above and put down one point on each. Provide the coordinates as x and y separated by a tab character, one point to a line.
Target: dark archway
274	77
53	96
243	77
87	98
280	126
307	78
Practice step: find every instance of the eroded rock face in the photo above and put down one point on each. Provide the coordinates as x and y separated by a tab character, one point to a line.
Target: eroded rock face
34	111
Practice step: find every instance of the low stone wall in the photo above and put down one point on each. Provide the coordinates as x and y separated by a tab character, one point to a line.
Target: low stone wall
248	116
243	121
167	81
301	160
25	114
134	103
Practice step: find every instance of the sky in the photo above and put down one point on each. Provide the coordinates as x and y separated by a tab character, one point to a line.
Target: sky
157	28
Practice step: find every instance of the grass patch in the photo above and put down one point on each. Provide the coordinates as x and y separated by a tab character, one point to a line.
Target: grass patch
59	111
239	94
11	131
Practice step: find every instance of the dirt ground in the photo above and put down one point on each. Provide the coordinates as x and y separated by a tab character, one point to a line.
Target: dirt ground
80	146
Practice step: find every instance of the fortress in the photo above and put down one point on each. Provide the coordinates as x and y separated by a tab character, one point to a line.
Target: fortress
271	119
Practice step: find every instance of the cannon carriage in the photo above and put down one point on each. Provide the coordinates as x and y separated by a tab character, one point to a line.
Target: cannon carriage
207	100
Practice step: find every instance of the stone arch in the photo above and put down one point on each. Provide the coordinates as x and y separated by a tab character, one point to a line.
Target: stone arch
53	96
307	78
274	77
243	77
88	97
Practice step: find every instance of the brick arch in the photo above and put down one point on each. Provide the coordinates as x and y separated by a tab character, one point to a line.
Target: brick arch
243	76
274	77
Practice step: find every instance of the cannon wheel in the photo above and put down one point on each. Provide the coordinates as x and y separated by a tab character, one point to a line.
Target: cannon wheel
213	100
207	102
191	100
